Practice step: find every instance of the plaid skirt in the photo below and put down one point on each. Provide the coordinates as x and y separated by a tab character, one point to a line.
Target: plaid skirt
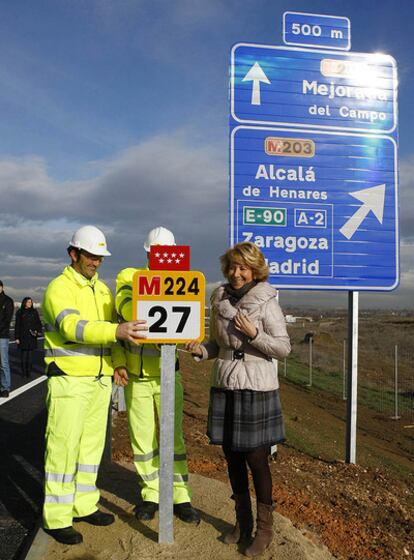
244	420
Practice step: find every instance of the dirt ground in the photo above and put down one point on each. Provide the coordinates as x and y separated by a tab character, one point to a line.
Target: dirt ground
360	512
130	539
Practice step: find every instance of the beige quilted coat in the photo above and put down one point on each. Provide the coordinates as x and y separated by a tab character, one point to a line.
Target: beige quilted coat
258	370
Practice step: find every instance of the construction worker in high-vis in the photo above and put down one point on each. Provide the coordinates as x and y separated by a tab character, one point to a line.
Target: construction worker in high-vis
138	370
80	336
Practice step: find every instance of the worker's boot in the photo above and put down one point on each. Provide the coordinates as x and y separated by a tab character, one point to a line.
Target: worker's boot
242	531
65	535
264	530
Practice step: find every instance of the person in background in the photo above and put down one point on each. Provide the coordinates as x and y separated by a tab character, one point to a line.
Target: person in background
139	373
80	336
6	314
247	332
26	330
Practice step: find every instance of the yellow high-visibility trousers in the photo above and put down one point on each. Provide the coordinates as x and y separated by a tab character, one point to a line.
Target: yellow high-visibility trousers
142	397
75	439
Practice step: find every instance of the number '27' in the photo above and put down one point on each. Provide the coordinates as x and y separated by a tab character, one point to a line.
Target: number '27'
157	326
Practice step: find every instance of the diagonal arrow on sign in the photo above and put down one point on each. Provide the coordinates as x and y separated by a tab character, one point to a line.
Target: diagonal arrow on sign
372	201
256	75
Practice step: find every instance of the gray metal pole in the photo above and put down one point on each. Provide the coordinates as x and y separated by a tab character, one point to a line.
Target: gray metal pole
352	381
121	400
344	371
166	534
310	360
396	411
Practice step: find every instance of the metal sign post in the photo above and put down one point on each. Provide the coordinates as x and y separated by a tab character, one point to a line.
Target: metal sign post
351	408
166	534
344	371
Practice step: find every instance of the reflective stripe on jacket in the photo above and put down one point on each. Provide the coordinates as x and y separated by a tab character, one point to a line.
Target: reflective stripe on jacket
79	332
142	360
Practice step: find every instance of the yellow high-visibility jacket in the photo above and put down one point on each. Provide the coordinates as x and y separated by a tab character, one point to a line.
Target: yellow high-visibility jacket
143	360
79	332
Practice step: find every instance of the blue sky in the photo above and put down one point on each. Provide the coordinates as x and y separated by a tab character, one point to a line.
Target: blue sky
115	113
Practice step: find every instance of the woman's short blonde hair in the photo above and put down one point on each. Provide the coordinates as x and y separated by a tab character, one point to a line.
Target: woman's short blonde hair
248	254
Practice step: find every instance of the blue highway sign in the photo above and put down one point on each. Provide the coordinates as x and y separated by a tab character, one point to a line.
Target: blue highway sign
312	88
316	30
321	205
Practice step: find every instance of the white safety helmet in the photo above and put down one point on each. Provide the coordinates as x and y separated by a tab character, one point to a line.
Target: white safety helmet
91	239
159	236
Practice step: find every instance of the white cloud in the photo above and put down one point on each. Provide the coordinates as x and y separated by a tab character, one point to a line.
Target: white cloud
162	181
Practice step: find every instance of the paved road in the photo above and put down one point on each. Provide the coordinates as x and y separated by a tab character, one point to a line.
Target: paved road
22	426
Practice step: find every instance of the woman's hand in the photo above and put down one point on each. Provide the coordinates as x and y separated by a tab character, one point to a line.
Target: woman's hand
243	324
121	376
132	330
194	348
17	341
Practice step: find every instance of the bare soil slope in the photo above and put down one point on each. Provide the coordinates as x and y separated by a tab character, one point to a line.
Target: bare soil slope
361	512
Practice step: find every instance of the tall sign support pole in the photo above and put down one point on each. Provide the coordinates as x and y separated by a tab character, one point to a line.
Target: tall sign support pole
166	533
351	408
273	449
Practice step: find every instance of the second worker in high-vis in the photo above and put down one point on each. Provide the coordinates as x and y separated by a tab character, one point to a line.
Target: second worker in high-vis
139	372
80	339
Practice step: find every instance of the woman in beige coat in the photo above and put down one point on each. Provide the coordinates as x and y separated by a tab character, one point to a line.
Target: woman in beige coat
247	333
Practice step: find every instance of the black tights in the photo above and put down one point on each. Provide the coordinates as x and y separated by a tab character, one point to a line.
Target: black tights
258	462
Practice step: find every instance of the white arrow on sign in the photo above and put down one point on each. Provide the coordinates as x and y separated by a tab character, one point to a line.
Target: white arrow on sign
256	75
373	201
